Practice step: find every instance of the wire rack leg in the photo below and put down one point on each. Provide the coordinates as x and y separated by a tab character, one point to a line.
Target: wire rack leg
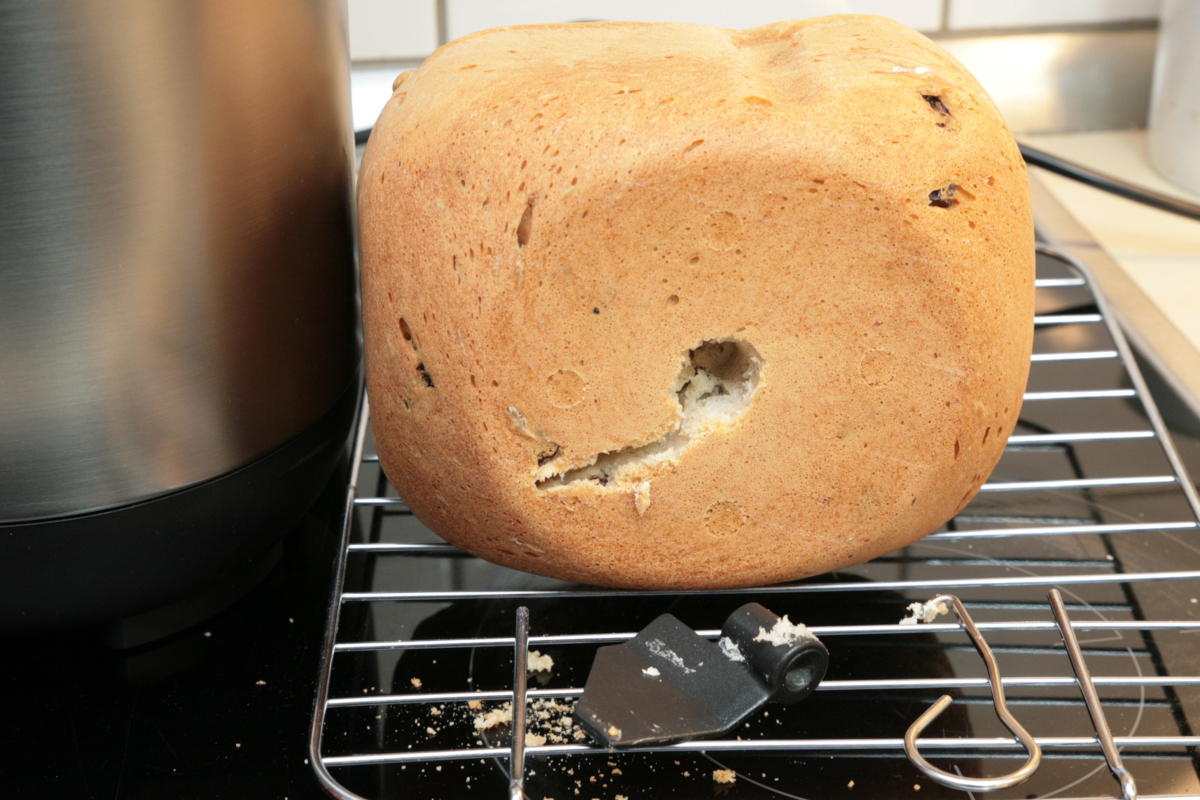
1111	754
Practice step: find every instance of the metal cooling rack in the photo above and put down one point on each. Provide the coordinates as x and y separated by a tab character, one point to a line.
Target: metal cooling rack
1090	497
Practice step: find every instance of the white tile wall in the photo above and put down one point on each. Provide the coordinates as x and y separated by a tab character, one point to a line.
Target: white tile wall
966	14
388	30
394	30
465	16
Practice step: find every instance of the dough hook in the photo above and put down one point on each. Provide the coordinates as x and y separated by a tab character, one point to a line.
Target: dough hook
910	737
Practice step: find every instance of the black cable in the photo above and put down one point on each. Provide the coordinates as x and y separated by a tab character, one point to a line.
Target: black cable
1069	169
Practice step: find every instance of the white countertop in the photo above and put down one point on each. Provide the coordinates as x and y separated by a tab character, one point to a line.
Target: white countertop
1160	251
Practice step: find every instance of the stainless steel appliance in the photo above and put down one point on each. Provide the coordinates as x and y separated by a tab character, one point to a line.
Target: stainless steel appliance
177	347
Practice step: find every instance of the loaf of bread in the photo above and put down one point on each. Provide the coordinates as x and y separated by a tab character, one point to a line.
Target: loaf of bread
671	306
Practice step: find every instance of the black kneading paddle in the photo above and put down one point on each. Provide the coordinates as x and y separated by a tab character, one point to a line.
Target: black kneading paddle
668	684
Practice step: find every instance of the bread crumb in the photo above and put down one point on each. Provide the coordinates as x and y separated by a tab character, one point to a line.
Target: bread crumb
730	649
724	775
474	704
260	683
850	785
614	732
783	632
924	612
416	682
497	716
539	663
435	711
622	797
534	740
431	731
651	672
916	787
641	496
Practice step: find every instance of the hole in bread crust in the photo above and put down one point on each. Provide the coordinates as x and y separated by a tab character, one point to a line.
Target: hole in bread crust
525	225
715	386
724	517
935	102
944	198
425	375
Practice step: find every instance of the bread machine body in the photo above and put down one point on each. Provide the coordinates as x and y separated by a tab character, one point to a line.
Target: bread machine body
177	308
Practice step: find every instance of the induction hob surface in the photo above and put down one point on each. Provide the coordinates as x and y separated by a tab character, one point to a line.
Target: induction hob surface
219	710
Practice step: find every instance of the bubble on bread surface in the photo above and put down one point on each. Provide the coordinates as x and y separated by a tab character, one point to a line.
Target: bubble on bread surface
878	367
722	230
715	386
564	387
724	517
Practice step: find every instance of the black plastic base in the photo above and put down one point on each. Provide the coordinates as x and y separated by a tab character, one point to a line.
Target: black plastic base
97	568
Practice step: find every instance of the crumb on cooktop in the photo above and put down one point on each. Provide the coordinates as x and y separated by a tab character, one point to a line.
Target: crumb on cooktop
539	663
497	716
724	776
416	682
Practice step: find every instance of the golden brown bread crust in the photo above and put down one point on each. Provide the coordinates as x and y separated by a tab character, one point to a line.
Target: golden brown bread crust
553	218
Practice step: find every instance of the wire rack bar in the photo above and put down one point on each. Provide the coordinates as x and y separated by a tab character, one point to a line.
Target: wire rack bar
877	586
1066	319
850	746
1080	355
1056	283
918	684
1064	530
1081	394
819	630
1070	438
1079	483
382	502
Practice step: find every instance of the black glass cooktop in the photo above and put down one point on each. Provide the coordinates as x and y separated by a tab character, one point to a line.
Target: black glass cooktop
219	710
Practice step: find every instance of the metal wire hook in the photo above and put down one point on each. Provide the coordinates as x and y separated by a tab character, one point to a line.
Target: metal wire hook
1010	722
